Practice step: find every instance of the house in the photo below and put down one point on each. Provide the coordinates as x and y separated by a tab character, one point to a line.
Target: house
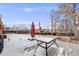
1	26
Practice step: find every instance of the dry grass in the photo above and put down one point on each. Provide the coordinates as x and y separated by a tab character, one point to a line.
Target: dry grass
74	38
69	39
64	38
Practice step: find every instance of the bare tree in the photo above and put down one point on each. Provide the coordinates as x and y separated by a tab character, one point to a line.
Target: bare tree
69	10
54	17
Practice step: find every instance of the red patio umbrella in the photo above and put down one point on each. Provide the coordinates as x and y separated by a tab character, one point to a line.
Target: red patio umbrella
33	30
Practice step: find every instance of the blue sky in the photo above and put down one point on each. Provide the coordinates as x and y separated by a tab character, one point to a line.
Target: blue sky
25	13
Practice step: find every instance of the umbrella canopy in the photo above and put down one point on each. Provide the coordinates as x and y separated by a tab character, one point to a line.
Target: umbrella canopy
33	30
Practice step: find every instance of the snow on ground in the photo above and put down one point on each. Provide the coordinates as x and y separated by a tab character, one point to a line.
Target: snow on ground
19	45
70	49
15	44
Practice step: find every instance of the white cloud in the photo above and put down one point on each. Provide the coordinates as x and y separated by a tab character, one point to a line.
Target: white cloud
28	9
43	8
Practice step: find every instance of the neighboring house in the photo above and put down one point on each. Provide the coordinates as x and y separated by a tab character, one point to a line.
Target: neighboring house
1	26
1	36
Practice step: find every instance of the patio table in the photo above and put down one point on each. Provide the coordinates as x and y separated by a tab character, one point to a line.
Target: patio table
48	41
